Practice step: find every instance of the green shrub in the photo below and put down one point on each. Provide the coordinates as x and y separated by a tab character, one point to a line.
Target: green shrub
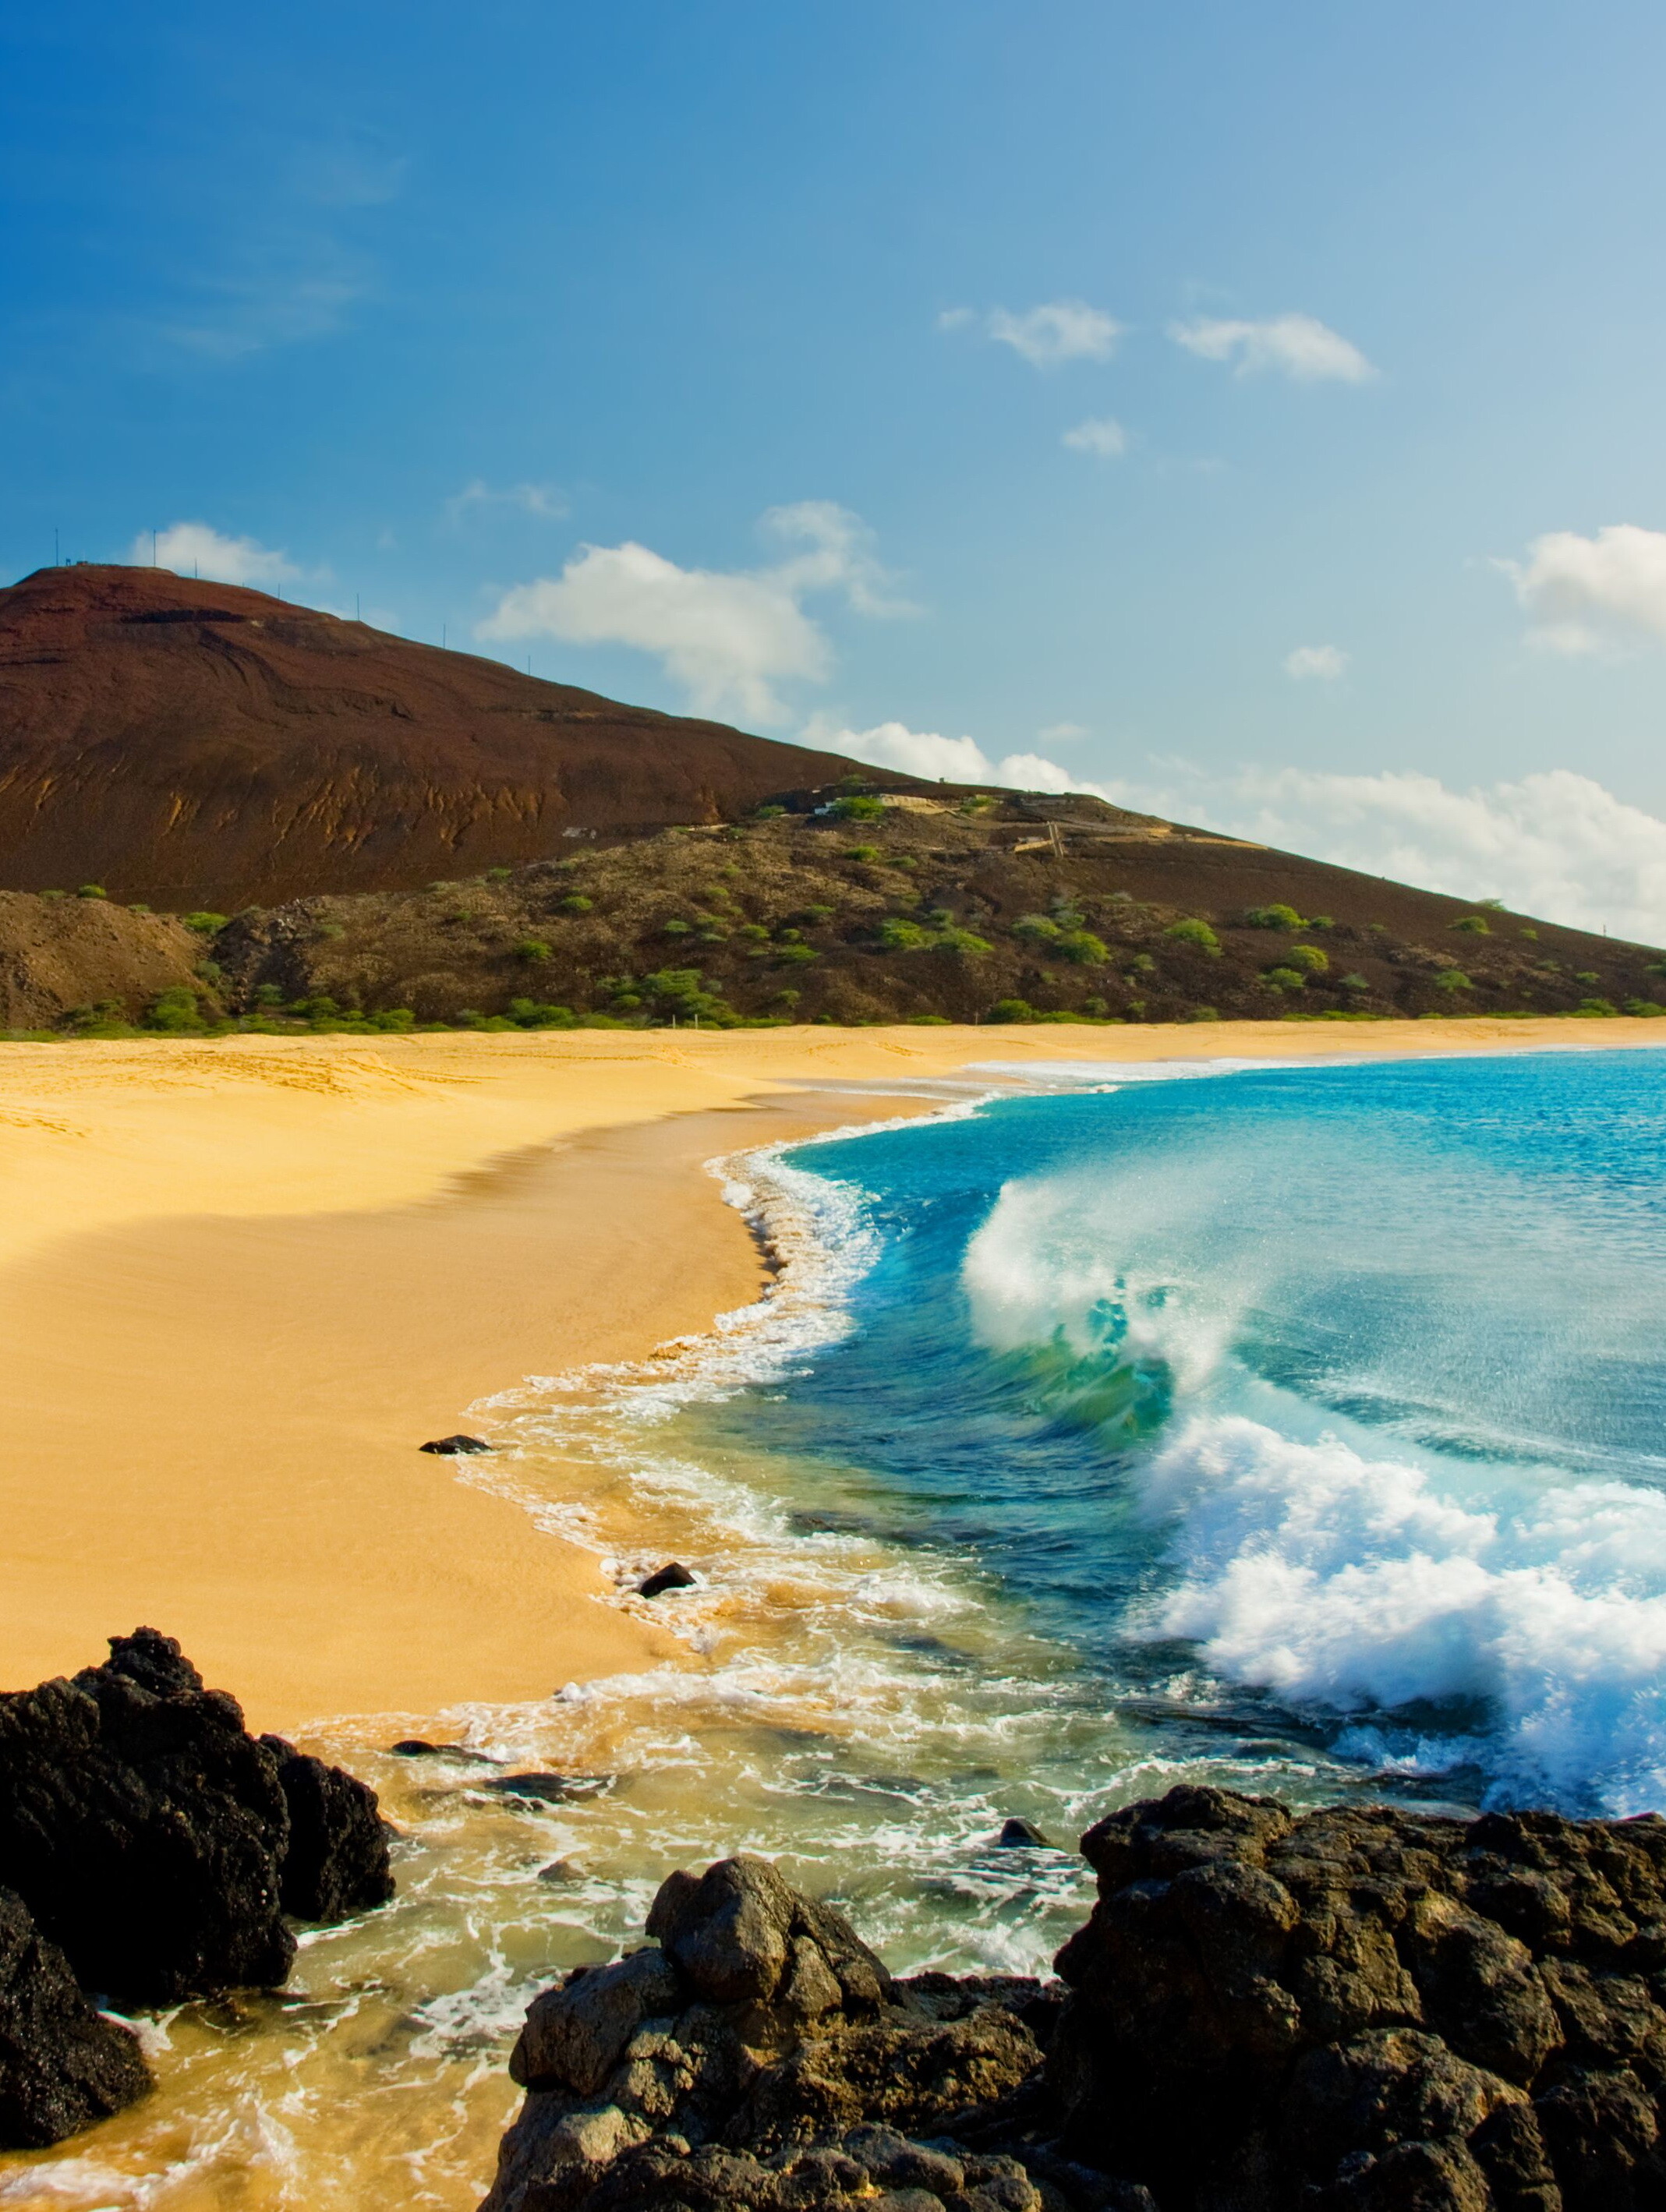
396	1020
1011	1009
207	925
755	931
768	813
174	1011
820	912
932	1021
50	895
899	935
859	807
1595	1007
1203	1014
797	956
961	940
531	949
1453	979
1319	921
1276	916
1194	932
92	891
676	927
136	906
1356	982
1586	975
1142	964
1309	958
576	902
1532	934
1475	925
862	852
499	875
1645	1008
1284	979
903	860
1041	928
269	994
1083	947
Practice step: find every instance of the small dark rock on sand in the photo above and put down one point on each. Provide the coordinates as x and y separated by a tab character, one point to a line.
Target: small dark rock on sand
416	1746
673	1576
449	1447
1018	1835
546	1789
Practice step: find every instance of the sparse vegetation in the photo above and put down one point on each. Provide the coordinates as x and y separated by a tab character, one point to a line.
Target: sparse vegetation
1476	925
206	924
1192	931
1276	916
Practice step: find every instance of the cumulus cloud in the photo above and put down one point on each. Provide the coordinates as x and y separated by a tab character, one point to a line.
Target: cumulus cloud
1056	332
1299	345
1101	435
1587	595
1325	662
729	637
1557	844
950	760
193	549
547	501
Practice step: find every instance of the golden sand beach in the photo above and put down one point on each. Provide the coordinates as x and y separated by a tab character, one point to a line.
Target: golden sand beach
240	1281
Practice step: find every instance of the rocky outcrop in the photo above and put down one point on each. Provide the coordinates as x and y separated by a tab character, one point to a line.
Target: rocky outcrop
159	1844
1352	2010
62	2065
760	2054
1362	2011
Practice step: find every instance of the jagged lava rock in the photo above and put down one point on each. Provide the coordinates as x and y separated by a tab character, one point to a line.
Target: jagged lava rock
731	2064
62	2065
1367	2008
159	1844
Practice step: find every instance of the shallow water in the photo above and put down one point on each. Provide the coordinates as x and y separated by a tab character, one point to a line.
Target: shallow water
1299	1428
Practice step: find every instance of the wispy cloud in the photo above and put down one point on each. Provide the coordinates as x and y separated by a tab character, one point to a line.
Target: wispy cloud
547	501
194	548
1101	435
729	637
1047	336
1061	733
1590	595
1321	663
1299	346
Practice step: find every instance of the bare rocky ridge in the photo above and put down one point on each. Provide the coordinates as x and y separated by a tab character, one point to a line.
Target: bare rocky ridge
1346	2011
199	746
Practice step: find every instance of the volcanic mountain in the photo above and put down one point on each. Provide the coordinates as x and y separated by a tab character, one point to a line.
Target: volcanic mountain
199	746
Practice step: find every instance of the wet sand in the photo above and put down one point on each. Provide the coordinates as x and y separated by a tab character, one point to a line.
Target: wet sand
241	1281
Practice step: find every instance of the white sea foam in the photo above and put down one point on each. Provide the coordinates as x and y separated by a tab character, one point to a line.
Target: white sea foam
1338	1579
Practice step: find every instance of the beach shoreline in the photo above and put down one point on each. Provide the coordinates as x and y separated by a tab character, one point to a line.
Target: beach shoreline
240	1281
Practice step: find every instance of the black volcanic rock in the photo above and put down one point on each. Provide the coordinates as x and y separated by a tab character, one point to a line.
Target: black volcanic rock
336	1862
150	1835
62	2065
1353	2010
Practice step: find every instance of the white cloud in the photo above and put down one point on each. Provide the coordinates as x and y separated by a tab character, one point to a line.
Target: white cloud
1101	435
1061	733
1298	344
193	549
729	636
1556	844
1585	594
547	501
951	760
1057	332
1325	662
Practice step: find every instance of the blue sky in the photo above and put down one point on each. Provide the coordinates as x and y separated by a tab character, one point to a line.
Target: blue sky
1253	412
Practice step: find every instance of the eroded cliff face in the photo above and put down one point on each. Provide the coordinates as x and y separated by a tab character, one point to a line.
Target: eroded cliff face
197	745
1355	2010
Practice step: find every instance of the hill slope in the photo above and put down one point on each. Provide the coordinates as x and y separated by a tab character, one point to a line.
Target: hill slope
197	745
844	909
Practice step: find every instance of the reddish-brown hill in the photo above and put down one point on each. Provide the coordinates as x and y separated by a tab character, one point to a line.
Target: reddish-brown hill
201	745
